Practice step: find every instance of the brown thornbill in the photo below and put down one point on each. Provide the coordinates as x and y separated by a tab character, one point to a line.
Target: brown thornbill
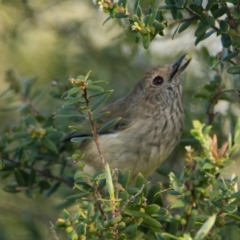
152	121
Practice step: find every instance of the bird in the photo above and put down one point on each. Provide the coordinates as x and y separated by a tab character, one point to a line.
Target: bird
151	124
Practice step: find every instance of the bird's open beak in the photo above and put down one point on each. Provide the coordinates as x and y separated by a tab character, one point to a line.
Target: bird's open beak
181	64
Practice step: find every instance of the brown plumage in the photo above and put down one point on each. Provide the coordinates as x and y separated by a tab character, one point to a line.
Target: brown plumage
152	121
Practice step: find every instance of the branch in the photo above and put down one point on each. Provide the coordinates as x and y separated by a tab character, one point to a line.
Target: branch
46	173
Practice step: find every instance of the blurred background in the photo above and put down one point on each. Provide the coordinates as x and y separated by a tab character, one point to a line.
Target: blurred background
53	40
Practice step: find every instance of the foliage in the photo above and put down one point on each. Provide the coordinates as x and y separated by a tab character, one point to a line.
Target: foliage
110	209
34	160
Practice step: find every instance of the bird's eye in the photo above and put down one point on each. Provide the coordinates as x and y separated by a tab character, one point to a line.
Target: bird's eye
158	80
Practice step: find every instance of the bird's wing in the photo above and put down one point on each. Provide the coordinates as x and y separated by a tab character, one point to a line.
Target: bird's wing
115	110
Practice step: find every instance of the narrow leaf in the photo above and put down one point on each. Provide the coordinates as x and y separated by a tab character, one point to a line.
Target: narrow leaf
102	99
109	124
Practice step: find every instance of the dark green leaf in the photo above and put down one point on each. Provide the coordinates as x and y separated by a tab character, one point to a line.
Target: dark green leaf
231	55
210	20
226	40
206	35
109	124
76	196
234	70
196	9
201	29
30	121
236	13
224	27
136	6
54	188
11	188
221	11
210	4
184	26
19	177
49	144
101	99
123	178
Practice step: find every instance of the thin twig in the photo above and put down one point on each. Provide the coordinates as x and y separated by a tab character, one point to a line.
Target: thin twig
46	173
94	130
183	20
132	198
53	231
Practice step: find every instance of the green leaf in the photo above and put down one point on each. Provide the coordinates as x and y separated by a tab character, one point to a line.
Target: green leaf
184	26
100	116
234	70
46	142
197	9
136	6
210	20
148	221
65	214
101	99
205	229
134	213
19	177
77	116
12	188
30	121
152	208
109	182
233	216
99	82
123	178
206	35
76	196
54	188
80	139
226	40
230	55
208	166
146	40
74	100
109	124
159	236
159	27
178	204
223	25
230	208
73	90
91	87
81	175
201	29
210	4
87	75
236	13
221	11
99	94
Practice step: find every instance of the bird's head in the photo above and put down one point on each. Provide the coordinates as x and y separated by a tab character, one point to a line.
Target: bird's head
163	83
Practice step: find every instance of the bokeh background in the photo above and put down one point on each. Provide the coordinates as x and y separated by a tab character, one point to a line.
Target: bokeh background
57	39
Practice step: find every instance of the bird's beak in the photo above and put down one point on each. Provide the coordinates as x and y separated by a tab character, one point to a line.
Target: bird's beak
180	64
